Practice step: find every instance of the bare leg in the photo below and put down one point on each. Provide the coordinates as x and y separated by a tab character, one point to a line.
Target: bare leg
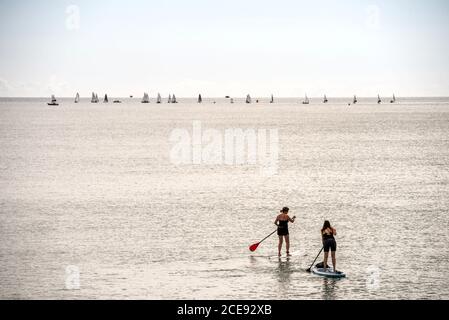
280	245
334	261
326	254
287	244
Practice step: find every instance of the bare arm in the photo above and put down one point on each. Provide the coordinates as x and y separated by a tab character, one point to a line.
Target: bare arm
276	221
292	220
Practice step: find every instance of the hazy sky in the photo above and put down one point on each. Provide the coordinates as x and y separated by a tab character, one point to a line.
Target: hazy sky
218	48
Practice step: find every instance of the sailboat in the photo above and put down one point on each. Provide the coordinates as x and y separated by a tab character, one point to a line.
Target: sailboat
146	98
306	100
248	99
53	101
355	100
106	100
169	98
272	99
77	98
173	99
159	98
325	99
394	99
232	100
200	99
379	100
94	99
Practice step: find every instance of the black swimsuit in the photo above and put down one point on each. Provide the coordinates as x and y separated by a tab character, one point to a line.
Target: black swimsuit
283	228
329	243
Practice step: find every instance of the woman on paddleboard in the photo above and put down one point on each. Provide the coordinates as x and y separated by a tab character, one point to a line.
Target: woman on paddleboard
282	221
329	243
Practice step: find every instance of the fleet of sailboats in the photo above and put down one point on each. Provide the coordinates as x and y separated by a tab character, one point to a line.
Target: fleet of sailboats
172	99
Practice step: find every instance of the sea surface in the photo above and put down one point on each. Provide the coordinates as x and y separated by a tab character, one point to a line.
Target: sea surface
93	205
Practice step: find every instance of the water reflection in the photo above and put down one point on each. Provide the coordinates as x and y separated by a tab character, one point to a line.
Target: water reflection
329	286
284	270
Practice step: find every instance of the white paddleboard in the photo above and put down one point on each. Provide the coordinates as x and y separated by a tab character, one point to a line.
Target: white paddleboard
328	272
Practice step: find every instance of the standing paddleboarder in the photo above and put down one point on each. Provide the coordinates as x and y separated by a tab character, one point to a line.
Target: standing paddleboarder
329	243
281	222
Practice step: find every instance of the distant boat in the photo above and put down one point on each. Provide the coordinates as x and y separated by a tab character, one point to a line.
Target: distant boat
159	98
106	100
117	101
94	98
53	101
354	101
379	100
173	99
393	100
169	98
272	99
248	99
227	97
200	99
131	96
146	98
232	100
77	98
306	100
325	99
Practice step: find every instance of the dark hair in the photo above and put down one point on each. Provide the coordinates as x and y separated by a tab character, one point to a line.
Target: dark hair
326	225
285	209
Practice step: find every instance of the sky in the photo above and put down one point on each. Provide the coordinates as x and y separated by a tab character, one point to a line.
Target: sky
285	47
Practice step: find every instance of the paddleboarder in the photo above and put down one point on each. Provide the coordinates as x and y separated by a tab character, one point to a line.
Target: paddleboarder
329	243
281	222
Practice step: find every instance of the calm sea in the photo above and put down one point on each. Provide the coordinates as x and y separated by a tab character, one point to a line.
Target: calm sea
93	205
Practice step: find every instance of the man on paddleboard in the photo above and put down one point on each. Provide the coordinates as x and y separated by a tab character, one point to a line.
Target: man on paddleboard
281	222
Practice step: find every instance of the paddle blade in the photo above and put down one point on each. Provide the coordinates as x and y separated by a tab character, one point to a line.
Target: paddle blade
254	247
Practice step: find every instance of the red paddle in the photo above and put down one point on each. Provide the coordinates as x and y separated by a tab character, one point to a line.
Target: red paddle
256	245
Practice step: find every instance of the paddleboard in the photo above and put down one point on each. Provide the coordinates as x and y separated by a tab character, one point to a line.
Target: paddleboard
328	272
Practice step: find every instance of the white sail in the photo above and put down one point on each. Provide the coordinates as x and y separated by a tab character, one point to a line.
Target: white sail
173	99
146	98
394	99
93	98
306	100
159	98
96	98
169	98
77	98
105	100
248	99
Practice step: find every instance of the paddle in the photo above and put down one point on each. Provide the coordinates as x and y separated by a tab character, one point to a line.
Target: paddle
308	270
254	246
